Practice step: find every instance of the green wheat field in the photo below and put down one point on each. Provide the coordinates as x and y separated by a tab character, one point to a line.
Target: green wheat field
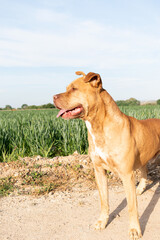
39	132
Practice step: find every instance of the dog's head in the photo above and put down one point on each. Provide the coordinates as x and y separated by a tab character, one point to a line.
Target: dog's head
80	97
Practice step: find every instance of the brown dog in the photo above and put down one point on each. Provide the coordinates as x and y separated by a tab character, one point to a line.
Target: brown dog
117	142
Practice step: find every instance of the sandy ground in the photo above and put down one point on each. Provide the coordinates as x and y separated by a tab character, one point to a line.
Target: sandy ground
70	215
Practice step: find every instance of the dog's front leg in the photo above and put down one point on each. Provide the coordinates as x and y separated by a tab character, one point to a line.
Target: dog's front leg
101	181
129	185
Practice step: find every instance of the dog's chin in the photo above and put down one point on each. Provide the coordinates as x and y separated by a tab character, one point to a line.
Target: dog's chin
73	113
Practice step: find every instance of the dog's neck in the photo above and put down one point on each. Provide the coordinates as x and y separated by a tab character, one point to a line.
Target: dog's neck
105	109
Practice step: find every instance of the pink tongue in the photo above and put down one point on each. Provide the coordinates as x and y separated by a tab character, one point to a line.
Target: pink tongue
61	112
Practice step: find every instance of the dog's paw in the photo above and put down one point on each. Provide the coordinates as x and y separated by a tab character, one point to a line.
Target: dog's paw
141	187
139	190
134	234
100	224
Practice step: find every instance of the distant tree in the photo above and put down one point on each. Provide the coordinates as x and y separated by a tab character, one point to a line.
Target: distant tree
24	106
121	103
1	108
128	102
33	107
158	101
49	105
8	107
132	102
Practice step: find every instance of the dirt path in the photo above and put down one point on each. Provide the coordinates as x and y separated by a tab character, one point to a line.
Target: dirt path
70	215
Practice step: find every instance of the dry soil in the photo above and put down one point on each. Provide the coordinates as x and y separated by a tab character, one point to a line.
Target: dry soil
69	214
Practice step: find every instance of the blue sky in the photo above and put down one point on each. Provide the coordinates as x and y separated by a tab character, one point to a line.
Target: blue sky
43	42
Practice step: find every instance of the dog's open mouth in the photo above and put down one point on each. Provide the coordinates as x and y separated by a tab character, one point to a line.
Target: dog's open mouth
72	113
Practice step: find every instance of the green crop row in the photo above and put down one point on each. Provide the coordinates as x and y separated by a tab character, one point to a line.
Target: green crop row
142	112
39	132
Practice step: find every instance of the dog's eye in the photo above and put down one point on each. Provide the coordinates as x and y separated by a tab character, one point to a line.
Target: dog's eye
73	89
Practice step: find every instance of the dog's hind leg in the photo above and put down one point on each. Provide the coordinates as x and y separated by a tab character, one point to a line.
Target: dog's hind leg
143	181
129	185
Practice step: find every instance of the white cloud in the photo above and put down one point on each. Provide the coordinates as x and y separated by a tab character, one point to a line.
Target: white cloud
48	16
86	43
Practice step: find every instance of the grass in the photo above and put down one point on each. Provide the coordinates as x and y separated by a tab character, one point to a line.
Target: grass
30	132
142	112
6	186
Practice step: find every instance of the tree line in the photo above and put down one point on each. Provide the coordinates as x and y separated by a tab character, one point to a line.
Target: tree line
135	102
128	102
25	107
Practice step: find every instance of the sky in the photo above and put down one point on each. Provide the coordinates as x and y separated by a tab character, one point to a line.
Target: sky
43	43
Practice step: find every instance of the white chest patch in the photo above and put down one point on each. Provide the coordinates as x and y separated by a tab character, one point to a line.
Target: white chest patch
98	151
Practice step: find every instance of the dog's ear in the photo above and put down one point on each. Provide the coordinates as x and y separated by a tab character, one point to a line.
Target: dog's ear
94	79
80	73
